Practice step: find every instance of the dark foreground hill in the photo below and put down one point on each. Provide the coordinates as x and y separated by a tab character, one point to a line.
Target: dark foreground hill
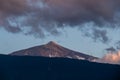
42	68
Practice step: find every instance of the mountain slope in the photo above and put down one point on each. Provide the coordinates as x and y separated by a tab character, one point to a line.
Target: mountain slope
52	49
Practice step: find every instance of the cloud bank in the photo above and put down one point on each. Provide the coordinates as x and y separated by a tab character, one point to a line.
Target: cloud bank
112	58
41	17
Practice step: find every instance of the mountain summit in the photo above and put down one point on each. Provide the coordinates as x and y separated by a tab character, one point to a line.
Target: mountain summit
52	49
52	43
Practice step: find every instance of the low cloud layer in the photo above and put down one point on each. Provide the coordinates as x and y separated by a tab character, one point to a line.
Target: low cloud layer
42	17
112	58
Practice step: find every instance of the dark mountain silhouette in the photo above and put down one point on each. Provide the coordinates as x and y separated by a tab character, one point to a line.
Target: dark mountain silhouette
52	49
44	68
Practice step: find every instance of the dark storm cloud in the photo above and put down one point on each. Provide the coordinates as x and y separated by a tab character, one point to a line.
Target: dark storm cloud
9	9
12	7
41	17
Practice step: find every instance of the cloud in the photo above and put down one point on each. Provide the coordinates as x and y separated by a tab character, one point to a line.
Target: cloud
110	58
117	45
111	49
9	9
114	48
41	17
113	58
101	35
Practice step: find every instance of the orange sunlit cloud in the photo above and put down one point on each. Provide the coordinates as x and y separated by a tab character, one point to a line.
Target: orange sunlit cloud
112	58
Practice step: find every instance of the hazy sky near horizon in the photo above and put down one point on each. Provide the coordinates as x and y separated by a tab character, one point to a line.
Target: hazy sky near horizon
88	26
71	38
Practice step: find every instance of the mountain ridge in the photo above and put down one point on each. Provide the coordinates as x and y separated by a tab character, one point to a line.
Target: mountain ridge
52	49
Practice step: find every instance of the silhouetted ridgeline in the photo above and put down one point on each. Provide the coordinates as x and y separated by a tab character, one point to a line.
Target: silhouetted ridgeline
41	68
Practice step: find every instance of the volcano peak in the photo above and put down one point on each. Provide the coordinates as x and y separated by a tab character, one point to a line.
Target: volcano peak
52	49
52	42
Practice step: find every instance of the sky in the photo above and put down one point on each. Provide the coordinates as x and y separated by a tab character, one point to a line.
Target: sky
88	26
